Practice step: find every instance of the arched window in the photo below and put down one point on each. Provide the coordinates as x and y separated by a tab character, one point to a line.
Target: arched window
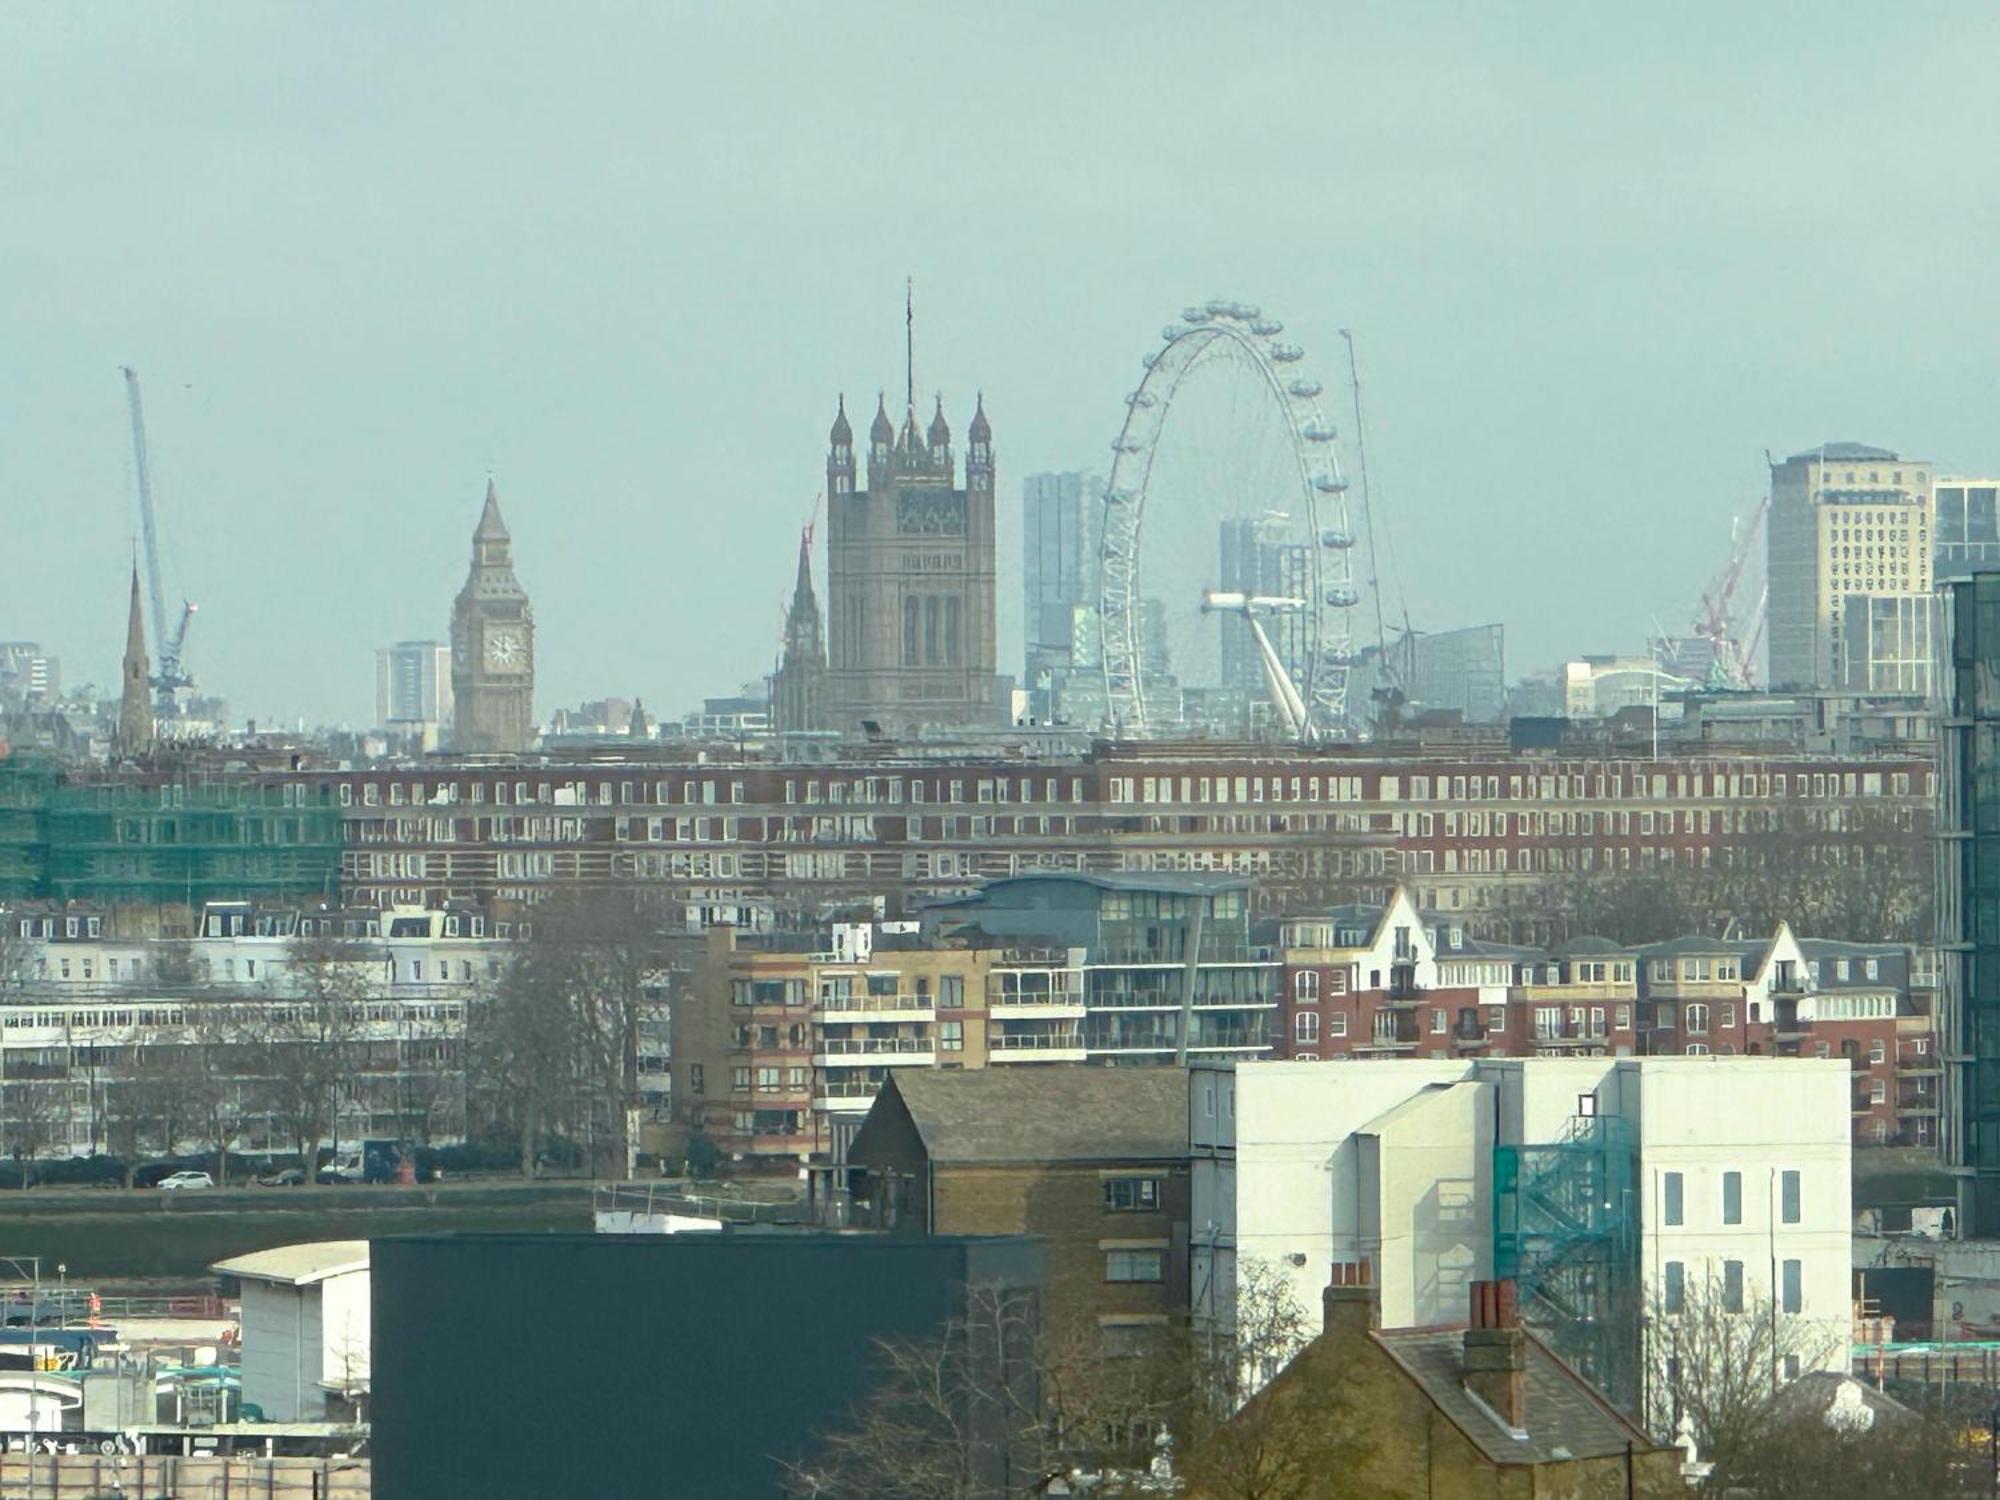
1305	1027
1305	985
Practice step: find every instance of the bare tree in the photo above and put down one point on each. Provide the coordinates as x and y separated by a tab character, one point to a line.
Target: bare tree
37	1118
954	1416
944	1423
1809	1453
1252	1436
304	1043
210	1067
523	1057
1714	1362
557	1044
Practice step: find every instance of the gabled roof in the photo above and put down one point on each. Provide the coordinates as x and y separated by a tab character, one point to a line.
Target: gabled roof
1045	1113
1589	946
1566	1418
297	1265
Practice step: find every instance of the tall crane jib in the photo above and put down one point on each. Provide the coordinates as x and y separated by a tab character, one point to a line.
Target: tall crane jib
169	677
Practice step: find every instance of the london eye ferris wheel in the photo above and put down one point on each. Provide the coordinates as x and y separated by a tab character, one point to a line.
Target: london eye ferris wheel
1225	545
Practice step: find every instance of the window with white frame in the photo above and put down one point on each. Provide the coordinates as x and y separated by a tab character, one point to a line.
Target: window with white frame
1305	985
1305	1028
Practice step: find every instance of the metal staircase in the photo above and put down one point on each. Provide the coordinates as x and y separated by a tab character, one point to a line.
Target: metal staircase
1566	1231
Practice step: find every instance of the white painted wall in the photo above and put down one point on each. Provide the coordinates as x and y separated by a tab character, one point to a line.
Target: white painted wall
1761	1117
344	1330
281	1351
1313	1163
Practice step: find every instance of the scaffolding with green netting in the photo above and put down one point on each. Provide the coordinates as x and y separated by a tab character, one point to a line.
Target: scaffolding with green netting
1566	1230
25	784
157	844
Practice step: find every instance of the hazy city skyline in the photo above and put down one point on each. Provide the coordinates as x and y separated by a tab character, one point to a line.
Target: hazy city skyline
1596	266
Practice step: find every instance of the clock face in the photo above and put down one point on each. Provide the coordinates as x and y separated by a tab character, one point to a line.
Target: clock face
505	650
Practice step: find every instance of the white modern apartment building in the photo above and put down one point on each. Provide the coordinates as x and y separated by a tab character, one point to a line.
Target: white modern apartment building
1614	1190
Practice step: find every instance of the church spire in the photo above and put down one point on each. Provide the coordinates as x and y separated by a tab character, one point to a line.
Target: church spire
135	708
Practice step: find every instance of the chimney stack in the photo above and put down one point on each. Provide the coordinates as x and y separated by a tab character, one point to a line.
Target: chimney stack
1349	1303
1496	1352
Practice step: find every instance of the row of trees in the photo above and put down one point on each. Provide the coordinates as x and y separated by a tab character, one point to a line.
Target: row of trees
994	1404
548	1057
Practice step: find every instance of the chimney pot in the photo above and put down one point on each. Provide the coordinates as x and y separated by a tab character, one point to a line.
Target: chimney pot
1496	1351
1348	1303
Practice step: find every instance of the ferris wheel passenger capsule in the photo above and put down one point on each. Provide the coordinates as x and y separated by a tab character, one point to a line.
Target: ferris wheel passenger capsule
1221	307
1286	354
1329	484
1194	315
1333	536
1343	596
1150	358
1171	331
1339	656
1142	399
1249	312
1266	328
1305	390
1317	431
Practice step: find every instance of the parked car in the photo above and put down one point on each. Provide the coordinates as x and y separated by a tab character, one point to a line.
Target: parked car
187	1180
284	1177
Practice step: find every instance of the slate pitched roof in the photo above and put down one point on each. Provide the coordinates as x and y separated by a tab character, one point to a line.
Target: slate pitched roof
1048	1113
1566	1418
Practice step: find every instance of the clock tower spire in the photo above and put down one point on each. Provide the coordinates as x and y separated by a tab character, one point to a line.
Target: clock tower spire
492	645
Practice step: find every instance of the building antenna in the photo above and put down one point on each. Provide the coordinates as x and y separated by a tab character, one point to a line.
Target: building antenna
910	342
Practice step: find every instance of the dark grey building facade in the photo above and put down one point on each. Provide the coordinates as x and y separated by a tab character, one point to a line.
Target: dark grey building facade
523	1367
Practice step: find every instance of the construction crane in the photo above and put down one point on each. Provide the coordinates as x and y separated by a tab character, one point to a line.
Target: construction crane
170	677
1734	637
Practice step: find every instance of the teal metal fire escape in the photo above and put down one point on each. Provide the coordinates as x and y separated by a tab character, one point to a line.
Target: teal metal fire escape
1566	1230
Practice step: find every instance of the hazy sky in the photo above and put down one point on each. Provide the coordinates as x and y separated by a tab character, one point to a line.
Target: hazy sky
1598	259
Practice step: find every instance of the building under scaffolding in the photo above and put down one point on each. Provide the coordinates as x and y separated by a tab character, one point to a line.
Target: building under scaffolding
1566	1230
163	843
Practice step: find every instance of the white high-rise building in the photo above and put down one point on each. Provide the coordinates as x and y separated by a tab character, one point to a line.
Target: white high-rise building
1613	1190
1847	521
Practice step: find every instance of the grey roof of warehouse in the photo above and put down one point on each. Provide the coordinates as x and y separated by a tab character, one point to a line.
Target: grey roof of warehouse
1048	1113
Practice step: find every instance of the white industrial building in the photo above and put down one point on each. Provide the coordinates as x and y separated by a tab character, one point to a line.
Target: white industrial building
305	1329
1610	1188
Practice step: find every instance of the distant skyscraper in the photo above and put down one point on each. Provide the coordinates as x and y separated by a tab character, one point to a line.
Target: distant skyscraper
910	580
1968	524
135	704
413	688
1058	565
28	674
798	687
1846	521
1968	897
1257	556
492	645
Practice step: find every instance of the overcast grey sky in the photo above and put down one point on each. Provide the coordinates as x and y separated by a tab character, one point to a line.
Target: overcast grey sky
1598	259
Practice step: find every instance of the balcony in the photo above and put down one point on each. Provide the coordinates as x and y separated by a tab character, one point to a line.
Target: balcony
1393	1031
1471	1034
1113	1043
1036	994
1917	1107
1567	1034
1035	1046
872	1051
845	1095
897	1007
1403	987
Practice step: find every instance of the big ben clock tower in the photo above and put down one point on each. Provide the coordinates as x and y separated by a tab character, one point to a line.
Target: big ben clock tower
492	645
